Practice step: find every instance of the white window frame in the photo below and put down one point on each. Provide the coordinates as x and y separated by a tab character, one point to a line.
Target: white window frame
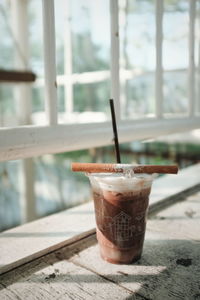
30	140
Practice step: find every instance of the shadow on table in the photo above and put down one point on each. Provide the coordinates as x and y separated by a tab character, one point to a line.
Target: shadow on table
168	269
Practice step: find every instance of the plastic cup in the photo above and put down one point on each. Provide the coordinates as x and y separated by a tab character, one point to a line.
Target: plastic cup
121	206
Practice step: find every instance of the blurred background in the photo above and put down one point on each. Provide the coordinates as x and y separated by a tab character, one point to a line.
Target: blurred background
83	80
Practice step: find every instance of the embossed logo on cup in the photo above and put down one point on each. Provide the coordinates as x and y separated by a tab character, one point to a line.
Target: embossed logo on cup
122	226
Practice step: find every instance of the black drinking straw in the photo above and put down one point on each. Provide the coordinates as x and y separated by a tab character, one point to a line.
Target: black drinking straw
117	153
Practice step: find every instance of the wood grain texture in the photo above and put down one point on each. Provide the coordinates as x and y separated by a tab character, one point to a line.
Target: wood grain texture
165	188
174	218
169	267
170	264
55	277
32	240
63	280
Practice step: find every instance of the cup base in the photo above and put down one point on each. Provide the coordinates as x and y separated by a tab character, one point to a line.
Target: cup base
116	262
119	256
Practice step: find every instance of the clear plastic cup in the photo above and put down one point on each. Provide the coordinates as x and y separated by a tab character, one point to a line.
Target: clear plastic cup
121	206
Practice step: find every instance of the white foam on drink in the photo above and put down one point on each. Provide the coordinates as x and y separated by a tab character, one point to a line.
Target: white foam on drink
120	182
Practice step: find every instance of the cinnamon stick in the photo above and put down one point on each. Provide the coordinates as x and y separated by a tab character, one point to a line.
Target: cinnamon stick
119	168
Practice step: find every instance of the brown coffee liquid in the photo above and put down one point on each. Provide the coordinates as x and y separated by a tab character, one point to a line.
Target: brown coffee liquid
121	223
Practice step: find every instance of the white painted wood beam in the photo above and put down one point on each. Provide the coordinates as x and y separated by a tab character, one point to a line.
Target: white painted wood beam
114	34
50	61
159	68
28	141
68	85
22	96
191	70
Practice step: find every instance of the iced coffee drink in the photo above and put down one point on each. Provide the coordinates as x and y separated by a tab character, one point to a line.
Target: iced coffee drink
121	205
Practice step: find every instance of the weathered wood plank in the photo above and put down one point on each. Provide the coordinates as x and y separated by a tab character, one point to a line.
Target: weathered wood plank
171	258
63	280
168	269
182	220
165	266
37	238
53	277
165	189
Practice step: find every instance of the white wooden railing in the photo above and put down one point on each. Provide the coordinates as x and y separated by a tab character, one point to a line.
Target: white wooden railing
31	140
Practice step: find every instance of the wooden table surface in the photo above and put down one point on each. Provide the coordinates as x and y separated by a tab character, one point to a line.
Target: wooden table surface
169	267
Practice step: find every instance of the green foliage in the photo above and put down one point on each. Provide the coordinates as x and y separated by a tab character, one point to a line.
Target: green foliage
78	155
6	43
38	99
7	106
91	97
86	57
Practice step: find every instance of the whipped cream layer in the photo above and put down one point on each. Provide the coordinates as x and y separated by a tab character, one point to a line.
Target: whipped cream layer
120	182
